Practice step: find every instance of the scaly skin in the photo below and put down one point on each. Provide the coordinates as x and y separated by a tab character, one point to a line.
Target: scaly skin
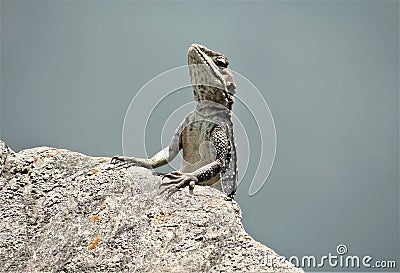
206	134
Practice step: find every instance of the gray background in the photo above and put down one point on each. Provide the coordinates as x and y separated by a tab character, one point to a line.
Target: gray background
328	70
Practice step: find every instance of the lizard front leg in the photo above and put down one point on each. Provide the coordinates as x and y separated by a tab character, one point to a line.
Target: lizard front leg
177	180
159	159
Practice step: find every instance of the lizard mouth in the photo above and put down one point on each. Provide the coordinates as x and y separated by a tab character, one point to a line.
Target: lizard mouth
211	78
197	56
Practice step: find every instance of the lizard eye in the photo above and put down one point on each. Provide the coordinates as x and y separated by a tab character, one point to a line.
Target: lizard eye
221	62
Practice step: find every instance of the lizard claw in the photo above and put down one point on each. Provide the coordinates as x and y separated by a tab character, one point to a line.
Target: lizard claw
178	180
123	161
172	175
119	162
116	159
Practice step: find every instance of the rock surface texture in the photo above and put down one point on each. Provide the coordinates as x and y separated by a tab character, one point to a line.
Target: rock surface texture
62	211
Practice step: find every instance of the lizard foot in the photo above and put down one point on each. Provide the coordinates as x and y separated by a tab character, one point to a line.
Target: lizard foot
178	180
126	162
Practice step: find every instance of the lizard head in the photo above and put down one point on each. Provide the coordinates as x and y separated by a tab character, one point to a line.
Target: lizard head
211	78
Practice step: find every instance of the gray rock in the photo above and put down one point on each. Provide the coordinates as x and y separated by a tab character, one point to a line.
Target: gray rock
62	211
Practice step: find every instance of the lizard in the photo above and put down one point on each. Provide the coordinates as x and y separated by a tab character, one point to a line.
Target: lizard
206	134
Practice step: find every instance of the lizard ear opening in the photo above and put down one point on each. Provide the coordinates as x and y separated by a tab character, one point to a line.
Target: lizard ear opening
231	87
